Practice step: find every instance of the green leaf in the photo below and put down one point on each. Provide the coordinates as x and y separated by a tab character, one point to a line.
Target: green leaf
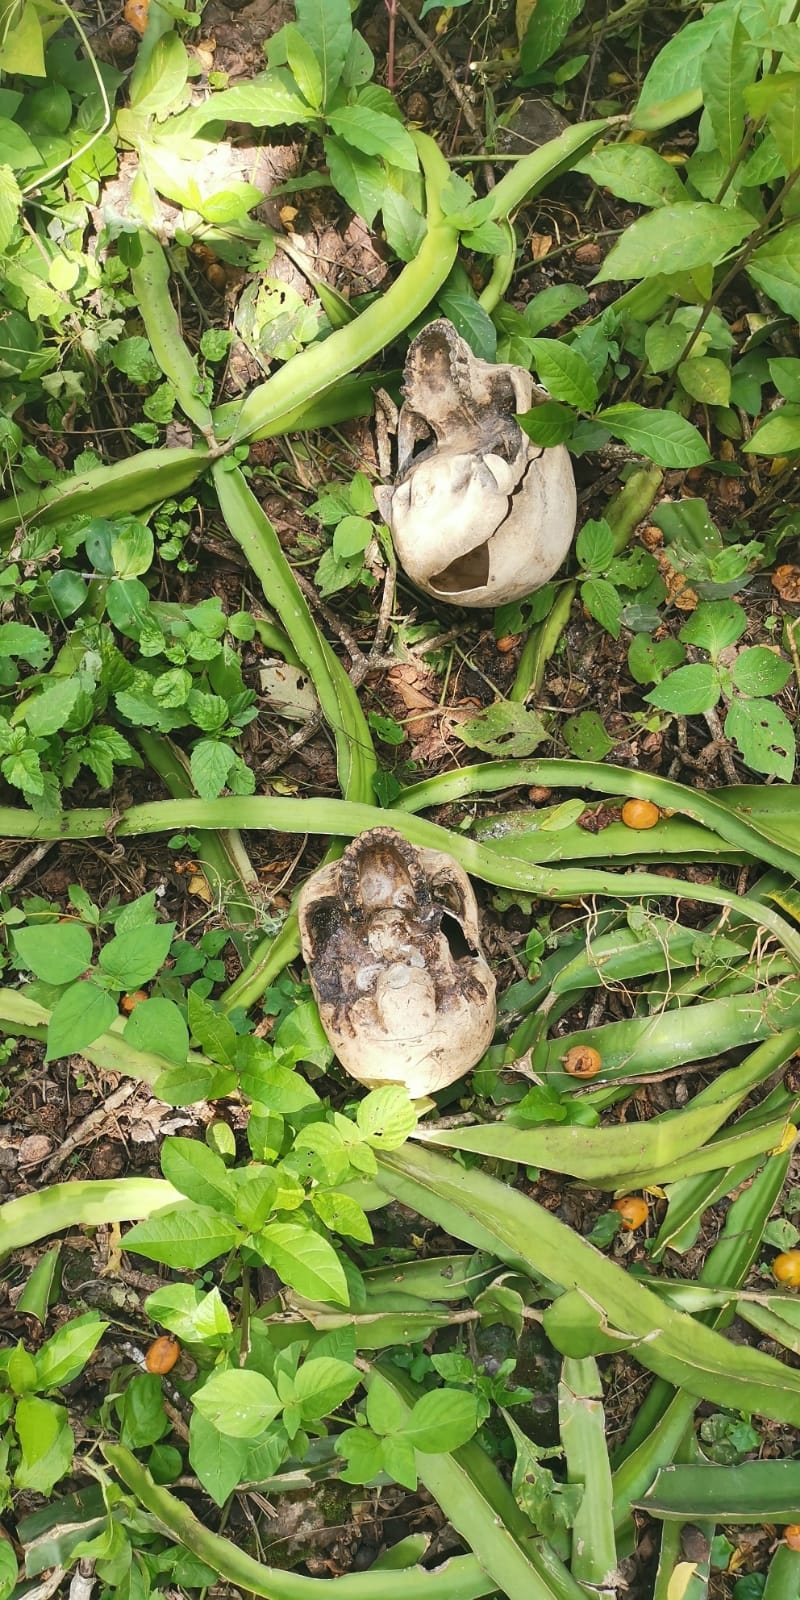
386	1117
706	378
548	423
362	1452
270	100
564	373
304	1261
10	202
602	599
326	27
678	66
687	691
9	1570
341	1214
58	954
506	728
322	1384
29	644
375	134
48	712
240	1404
184	1236
78	1017
158	78
471	321
764	735
778	434
212	1031
586	737
270	1083
635	173
304	64
594	546
46	1441
211	763
219	1462
442	1420
132	550
157	1026
676	238
760	671
727	70
359	179
67	591
775	268
662	436
784	372
17	148
552	304
714	625
548	24
198	1173
65	1354
404	226
352	537
133	958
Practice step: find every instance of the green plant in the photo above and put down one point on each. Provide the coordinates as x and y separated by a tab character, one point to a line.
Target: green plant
37	1442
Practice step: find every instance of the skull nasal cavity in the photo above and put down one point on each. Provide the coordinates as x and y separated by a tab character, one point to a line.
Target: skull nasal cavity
467	572
383	880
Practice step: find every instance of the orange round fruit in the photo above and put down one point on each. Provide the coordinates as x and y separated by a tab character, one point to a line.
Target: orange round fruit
792	1535
640	814
786	1268
162	1354
633	1211
129	1002
582	1061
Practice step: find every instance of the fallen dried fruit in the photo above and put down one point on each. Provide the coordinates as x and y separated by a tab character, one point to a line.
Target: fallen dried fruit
582	1061
792	1535
640	814
786	580
129	1002
162	1354
786	1268
633	1211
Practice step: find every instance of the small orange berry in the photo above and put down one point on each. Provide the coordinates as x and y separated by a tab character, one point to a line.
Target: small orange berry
632	1210
792	1535
129	1002
582	1061
162	1354
640	814
786	1268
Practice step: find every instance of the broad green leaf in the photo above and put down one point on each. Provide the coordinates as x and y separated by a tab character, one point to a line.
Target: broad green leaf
341	1214
322	1384
57	954
304	65
304	1261
133	958
602	600
46	1441
707	379
687	690
726	71
386	1117
10	201
78	1017
714	625
198	1173
404	226
564	373
375	134
764	735
778	98
442	1420
778	434
28	644
211	763
760	671
362	1452
240	1404
552	304
678	66
213	1032
64	1355
270	100
471	321
635	173
158	79
775	267
185	1236
585	736
785	374
548	24
48	712
157	1026
676	238
548	424
218	1461
188	1313
662	436
326	27
506	728
271	1084
132	550
9	1570
359	179
386	1409
17	148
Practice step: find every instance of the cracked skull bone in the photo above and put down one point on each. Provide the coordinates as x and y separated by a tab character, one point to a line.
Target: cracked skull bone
479	515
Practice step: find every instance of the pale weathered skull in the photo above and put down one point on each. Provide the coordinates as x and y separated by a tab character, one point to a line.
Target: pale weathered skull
480	515
390	938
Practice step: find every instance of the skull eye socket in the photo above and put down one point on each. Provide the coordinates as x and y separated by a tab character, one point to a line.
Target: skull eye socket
467	572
